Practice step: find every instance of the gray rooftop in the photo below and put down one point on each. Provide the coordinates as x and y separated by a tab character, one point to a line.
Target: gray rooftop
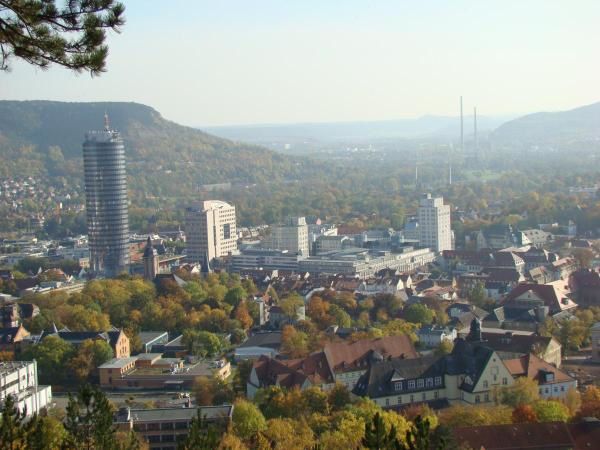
175	414
117	363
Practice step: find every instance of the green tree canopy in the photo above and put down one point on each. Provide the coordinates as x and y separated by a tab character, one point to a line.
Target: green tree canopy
417	313
52	355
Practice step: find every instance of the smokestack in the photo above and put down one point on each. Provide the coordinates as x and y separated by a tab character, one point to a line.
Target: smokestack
462	133
417	168
475	131
450	173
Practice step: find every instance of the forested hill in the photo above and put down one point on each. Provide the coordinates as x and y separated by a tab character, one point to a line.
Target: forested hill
43	138
579	124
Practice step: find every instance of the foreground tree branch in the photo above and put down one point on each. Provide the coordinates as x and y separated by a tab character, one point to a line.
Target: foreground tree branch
72	36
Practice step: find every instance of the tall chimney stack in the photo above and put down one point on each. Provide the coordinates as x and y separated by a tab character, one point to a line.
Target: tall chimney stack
462	133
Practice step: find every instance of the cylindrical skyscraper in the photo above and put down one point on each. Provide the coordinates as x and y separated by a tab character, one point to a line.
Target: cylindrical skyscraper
106	201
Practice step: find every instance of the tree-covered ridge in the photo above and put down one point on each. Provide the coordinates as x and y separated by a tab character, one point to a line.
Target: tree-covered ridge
44	138
576	124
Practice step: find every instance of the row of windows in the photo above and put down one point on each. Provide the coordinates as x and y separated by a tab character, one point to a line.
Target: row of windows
412	398
547	390
418	384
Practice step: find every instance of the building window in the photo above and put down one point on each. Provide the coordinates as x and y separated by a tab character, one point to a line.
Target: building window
387	402
485	384
487	397
399	399
477	399
411	384
562	389
412	398
420	383
398	385
504	381
429	382
438	381
436	394
424	396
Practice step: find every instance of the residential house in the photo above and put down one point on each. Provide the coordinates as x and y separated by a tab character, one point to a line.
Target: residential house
507	341
339	362
554	296
468	375
552	382
432	336
563	268
13	339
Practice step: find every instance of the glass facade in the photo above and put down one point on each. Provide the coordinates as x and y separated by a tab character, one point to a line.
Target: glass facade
106	202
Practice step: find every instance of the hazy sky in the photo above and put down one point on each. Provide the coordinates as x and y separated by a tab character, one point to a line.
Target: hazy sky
252	61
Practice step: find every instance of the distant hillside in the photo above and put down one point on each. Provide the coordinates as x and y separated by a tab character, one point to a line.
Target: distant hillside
581	123
422	127
163	158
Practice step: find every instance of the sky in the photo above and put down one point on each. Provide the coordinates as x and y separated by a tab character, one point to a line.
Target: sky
286	61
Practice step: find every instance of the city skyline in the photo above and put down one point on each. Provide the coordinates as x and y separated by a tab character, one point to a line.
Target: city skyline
293	63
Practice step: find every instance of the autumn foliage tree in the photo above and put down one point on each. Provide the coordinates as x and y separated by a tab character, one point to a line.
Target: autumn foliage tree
524	414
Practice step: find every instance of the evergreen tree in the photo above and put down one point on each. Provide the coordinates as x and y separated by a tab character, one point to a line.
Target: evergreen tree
89	420
13	429
376	437
417	438
42	33
201	436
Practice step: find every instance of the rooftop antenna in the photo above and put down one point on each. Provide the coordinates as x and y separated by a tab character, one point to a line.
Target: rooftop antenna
106	122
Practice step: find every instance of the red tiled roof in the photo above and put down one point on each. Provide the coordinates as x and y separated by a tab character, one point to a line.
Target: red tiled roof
345	356
533	367
552	294
531	436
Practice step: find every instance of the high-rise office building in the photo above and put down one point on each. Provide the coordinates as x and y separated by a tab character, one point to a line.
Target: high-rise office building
434	224
291	236
106	201
210	231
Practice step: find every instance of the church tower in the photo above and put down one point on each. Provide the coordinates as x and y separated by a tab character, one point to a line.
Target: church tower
150	261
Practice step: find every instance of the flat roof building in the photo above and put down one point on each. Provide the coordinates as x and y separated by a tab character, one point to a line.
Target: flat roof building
19	379
210	231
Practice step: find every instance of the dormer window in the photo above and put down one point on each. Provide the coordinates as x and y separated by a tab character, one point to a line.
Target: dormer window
420	383
429	382
411	384
398	386
438	381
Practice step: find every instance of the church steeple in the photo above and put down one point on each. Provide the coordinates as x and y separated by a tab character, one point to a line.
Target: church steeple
150	261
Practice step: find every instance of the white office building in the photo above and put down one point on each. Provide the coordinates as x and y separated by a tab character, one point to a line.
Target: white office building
434	224
210	231
19	380
291	236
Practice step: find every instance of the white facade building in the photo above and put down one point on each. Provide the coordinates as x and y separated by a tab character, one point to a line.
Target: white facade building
210	231
19	380
291	236
434	224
